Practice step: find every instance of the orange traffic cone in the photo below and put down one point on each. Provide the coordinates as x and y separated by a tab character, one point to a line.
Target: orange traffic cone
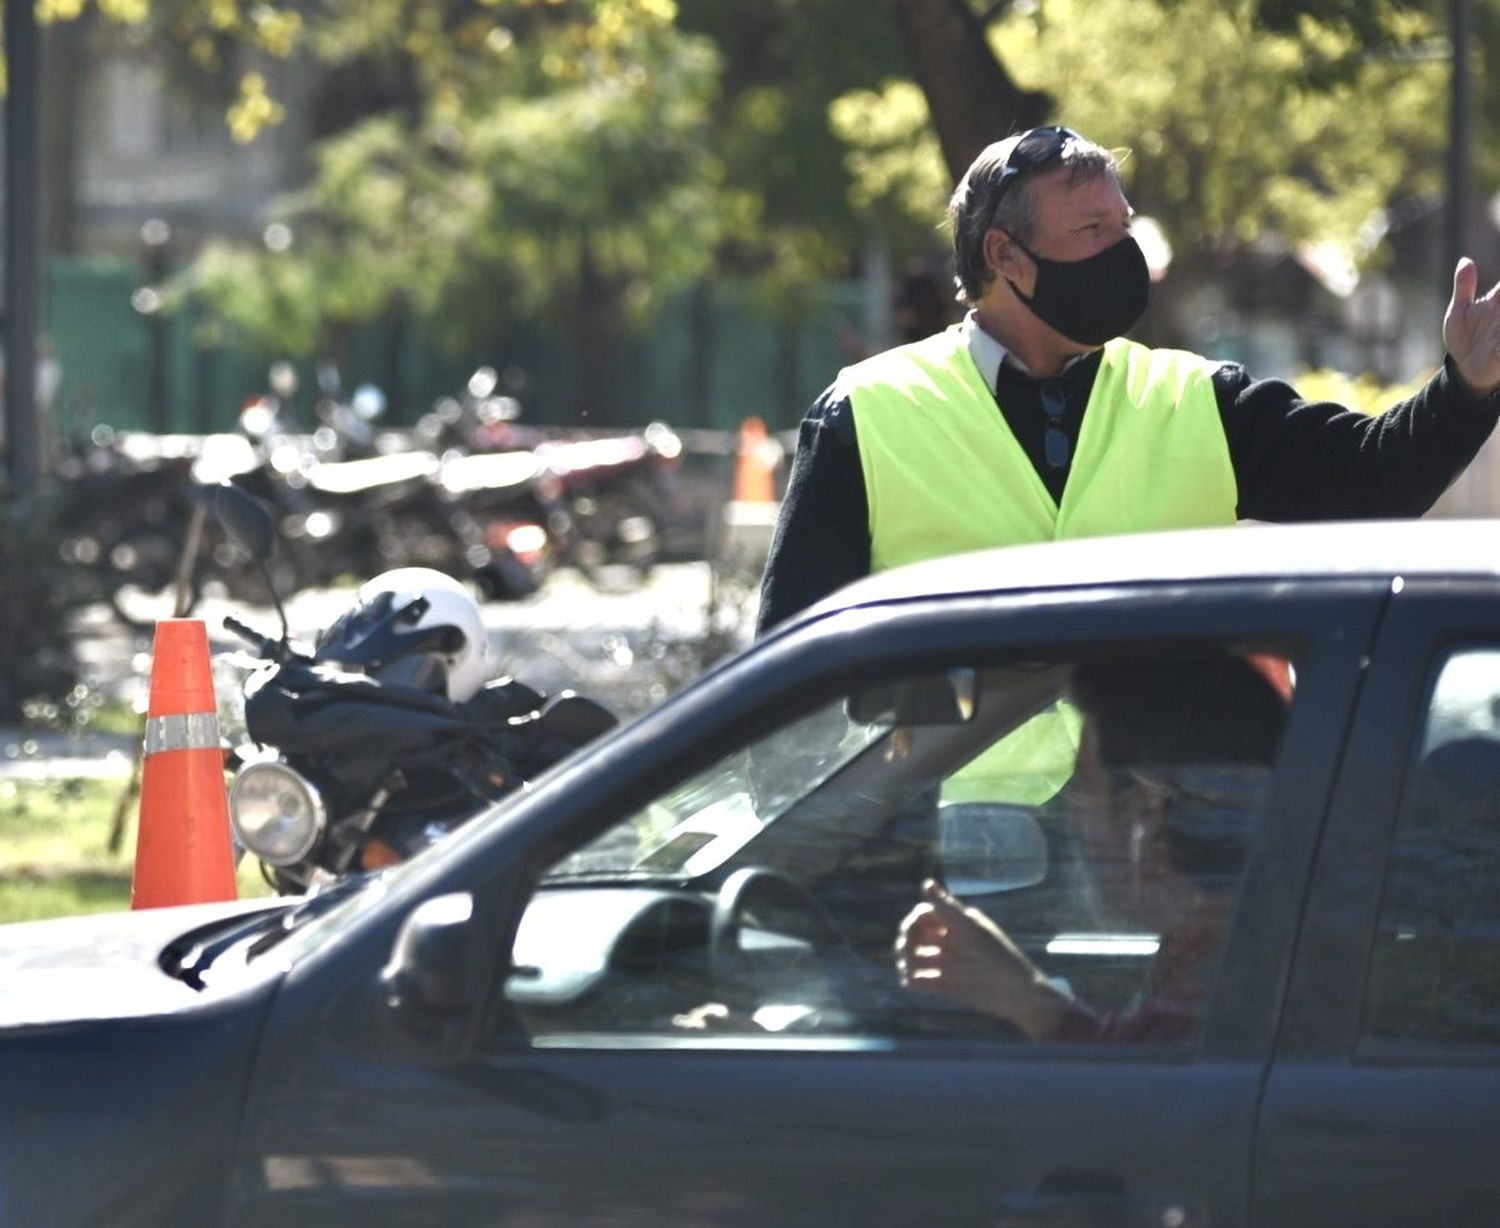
183	853
759	454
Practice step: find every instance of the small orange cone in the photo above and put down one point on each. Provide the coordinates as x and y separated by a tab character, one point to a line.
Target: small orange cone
183	853
754	473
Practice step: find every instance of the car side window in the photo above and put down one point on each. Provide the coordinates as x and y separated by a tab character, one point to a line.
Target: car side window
1435	969
1044	851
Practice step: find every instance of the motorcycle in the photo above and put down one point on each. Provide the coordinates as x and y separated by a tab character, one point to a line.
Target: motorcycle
122	523
365	515
607	504
621	495
479	419
383	738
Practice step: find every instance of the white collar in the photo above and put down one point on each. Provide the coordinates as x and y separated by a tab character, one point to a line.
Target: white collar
988	352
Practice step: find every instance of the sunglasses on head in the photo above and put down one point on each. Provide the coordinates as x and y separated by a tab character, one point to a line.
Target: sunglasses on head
1038	148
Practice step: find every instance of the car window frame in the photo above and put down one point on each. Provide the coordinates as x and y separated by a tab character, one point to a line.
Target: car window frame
1426	620
1333	618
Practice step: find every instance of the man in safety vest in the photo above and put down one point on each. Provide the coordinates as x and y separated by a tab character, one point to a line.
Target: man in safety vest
1034	419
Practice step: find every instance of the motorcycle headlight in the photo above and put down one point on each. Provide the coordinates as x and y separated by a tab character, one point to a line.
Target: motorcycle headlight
276	812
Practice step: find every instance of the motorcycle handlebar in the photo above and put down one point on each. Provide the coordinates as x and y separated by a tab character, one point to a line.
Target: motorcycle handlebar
263	644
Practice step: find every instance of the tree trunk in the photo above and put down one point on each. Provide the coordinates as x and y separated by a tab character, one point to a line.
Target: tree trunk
972	98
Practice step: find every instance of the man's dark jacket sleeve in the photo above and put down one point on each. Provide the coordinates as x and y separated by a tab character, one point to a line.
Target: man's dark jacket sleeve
822	539
1315	460
1294	460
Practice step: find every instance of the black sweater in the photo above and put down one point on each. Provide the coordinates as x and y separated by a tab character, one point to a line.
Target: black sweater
1293	460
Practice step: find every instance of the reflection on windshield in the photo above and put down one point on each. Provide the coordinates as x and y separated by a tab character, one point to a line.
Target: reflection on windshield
706	819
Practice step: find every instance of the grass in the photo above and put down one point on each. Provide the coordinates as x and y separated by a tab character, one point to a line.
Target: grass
54	850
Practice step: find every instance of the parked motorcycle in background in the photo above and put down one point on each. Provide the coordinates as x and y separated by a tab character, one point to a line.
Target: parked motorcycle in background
365	515
347	427
621	494
122	521
606	502
480	418
386	735
514	504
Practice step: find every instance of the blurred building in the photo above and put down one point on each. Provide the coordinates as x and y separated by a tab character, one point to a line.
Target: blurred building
136	131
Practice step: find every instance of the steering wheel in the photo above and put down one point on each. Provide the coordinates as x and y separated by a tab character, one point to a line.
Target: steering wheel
800	912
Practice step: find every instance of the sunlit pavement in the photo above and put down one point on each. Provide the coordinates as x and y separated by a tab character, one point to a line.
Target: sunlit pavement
628	646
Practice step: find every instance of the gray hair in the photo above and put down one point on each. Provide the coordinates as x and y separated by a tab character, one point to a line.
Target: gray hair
976	206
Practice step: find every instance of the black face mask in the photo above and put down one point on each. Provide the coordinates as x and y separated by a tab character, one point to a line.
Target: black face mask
1093	300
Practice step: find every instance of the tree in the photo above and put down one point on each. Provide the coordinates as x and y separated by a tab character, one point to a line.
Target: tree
972	96
546	160
582	159
1243	122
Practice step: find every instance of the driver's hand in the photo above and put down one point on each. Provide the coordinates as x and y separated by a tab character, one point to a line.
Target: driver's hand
944	946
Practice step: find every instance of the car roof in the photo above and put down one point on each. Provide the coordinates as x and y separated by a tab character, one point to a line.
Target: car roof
1248	551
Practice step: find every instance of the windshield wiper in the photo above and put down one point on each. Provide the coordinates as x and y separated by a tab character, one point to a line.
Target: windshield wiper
187	961
312	906
190	957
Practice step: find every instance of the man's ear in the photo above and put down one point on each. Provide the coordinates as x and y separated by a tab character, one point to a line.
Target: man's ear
1005	257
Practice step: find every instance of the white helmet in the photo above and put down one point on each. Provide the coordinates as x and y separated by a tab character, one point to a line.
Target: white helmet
415	626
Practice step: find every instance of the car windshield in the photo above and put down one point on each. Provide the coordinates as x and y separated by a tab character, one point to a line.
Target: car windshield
705	820
699	824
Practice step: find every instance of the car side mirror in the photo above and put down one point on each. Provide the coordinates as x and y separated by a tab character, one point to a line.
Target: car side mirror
427	980
985	848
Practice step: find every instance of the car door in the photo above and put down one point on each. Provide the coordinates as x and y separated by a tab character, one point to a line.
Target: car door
621	1075
1384	1099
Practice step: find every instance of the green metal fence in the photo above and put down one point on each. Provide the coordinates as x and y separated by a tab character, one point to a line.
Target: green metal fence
708	360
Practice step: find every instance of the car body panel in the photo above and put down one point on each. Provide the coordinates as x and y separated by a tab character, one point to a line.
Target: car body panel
288	1093
501	1131
130	1121
101	967
1357	1130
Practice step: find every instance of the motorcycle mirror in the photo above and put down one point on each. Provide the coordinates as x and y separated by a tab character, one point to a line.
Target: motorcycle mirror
250	525
246	520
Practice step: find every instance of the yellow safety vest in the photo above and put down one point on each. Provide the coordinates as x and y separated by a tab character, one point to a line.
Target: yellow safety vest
943	474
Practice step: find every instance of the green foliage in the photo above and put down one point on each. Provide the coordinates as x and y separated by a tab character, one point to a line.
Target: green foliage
782	63
533	158
207	33
1232	124
539	163
1230	135
1362	27
897	170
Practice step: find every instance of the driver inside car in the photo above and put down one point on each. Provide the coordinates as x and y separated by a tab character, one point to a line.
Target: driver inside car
1171	761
